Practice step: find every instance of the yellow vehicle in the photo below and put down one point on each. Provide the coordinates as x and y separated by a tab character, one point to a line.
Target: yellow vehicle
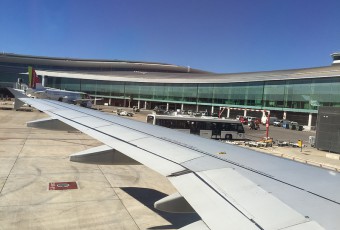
266	141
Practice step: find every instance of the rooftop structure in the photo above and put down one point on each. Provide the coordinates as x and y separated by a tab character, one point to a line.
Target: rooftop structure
336	58
72	64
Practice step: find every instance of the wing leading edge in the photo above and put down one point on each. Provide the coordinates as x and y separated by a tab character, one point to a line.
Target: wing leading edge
241	190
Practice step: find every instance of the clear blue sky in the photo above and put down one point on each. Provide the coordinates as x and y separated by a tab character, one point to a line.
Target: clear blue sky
221	36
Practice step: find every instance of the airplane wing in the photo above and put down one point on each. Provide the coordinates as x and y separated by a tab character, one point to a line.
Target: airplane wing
228	186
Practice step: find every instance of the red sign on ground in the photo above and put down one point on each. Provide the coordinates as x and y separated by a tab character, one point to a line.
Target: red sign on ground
62	185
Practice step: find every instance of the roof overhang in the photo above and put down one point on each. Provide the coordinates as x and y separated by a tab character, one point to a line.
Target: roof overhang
185	78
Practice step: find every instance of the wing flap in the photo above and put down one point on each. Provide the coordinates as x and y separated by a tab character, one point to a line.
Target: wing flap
312	225
254	202
214	210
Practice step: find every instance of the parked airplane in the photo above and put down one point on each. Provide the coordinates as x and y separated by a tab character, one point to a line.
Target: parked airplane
36	90
228	186
71	97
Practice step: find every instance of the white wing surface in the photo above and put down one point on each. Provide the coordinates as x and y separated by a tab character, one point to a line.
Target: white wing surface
242	189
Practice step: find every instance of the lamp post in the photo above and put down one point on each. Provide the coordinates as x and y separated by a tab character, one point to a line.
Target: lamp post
267	126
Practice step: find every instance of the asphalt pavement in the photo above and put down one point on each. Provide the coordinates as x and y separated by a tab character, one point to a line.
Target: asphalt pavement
34	163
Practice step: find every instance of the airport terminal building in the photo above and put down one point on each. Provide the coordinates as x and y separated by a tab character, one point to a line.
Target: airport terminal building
292	94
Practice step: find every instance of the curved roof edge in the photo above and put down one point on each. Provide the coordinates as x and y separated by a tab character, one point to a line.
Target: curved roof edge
96	63
295	74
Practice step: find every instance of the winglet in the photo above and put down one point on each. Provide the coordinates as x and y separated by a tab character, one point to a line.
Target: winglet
16	93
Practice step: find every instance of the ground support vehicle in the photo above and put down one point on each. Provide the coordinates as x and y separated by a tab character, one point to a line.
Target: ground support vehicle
135	109
264	142
121	112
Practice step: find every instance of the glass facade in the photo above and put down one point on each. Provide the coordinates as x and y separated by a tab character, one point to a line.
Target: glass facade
301	95
248	94
293	95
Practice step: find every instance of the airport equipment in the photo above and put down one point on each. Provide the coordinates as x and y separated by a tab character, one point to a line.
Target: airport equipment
264	142
328	129
300	144
135	109
121	112
311	141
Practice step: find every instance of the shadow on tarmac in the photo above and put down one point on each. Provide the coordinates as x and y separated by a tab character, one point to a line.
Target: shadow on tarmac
149	196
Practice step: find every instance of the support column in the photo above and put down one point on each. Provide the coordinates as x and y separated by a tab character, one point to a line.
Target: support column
212	110
245	113
129	100
138	104
182	107
109	101
228	113
167	106
145	104
43	80
284	115
310	116
264	117
196	108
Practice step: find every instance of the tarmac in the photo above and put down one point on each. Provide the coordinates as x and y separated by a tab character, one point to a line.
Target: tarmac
33	161
107	197
307	154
